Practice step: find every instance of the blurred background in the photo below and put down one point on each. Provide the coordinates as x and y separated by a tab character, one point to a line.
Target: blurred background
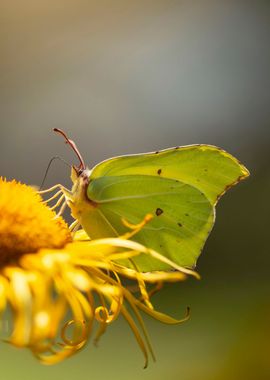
130	76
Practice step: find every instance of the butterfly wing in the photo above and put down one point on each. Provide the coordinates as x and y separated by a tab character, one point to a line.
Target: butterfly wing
179	186
206	167
183	216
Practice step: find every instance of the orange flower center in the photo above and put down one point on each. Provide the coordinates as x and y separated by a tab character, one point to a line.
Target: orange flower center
26	223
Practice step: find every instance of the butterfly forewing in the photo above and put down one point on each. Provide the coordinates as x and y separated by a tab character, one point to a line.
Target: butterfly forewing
206	167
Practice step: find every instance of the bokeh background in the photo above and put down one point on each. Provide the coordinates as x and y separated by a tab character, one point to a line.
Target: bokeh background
129	76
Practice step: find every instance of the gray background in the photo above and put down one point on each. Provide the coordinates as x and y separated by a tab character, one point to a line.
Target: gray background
133	76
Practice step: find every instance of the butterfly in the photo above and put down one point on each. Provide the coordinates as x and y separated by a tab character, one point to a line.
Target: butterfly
179	187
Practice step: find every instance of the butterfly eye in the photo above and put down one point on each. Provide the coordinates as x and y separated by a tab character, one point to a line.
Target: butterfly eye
80	171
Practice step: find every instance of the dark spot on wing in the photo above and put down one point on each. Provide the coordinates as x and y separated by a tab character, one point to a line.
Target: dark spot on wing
159	211
159	171
206	170
180	224
160	245
186	214
157	152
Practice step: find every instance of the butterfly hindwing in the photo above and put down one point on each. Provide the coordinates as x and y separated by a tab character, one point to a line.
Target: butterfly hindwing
183	216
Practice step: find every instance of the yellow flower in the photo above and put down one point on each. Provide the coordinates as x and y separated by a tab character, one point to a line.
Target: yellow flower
57	284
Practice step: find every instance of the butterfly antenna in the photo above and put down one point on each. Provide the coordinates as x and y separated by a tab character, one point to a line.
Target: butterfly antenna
48	168
73	147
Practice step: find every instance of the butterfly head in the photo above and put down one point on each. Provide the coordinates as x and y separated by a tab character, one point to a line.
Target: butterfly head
80	171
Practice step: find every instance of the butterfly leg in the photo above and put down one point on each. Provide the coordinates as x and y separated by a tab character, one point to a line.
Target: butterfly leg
50	189
53	197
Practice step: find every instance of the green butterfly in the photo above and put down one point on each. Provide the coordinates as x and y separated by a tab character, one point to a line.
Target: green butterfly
179	187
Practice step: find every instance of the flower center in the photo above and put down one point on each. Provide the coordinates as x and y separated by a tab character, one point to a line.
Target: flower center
27	224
